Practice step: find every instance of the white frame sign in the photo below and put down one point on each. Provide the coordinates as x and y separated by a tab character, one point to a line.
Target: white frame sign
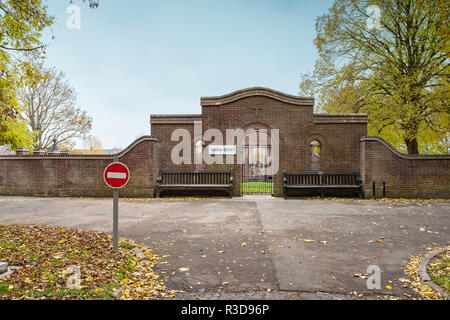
225	150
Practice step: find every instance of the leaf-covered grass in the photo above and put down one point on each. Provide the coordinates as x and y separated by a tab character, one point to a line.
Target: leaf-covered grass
416	283
50	256
439	270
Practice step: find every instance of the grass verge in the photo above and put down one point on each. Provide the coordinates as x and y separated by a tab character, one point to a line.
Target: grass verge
419	286
439	270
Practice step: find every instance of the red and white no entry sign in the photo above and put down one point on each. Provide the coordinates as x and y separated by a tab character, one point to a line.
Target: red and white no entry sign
116	175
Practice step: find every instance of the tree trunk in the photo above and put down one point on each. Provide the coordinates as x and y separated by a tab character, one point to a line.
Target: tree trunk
412	145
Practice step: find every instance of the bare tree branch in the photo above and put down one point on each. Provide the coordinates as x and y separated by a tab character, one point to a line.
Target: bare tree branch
50	110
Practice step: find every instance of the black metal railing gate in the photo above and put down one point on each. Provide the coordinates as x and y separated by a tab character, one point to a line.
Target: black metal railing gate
254	177
257	185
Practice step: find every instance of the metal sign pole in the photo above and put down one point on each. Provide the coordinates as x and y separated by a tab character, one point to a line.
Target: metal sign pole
116	176
116	215
116	219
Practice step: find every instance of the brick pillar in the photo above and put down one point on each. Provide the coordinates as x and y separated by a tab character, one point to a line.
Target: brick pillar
362	166
22	152
38	152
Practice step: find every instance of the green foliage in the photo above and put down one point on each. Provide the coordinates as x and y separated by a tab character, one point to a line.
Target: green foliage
21	24
397	73
13	130
16	133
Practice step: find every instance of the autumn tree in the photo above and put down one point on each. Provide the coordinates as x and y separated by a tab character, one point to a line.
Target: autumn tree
21	25
390	59
93	145
67	145
50	110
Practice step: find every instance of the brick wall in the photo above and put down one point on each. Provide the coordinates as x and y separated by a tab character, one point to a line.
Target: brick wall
340	142
273	113
405	176
342	150
293	116
79	175
162	127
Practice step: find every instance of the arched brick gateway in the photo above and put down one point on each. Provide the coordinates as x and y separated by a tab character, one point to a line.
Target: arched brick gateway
257	159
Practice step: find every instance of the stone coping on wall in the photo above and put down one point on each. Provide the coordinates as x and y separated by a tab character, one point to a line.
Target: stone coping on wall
341	118
175	118
80	156
404	155
256	91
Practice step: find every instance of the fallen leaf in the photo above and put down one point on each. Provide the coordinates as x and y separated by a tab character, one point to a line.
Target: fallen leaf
183	269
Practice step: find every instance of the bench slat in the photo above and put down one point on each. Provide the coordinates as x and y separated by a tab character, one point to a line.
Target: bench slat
321	181
194	180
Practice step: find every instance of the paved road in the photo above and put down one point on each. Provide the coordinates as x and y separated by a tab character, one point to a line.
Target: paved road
254	247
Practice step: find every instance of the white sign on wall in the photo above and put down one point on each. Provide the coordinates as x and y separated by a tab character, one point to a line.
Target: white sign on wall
217	149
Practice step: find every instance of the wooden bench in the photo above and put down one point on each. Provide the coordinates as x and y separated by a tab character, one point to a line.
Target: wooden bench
194	180
322	182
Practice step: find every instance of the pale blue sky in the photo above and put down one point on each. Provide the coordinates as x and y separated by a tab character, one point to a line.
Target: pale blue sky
134	58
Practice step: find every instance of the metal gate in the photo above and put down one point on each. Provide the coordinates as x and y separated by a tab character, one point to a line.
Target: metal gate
255	179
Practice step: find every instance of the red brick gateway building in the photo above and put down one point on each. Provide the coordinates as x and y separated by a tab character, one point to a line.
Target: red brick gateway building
258	134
